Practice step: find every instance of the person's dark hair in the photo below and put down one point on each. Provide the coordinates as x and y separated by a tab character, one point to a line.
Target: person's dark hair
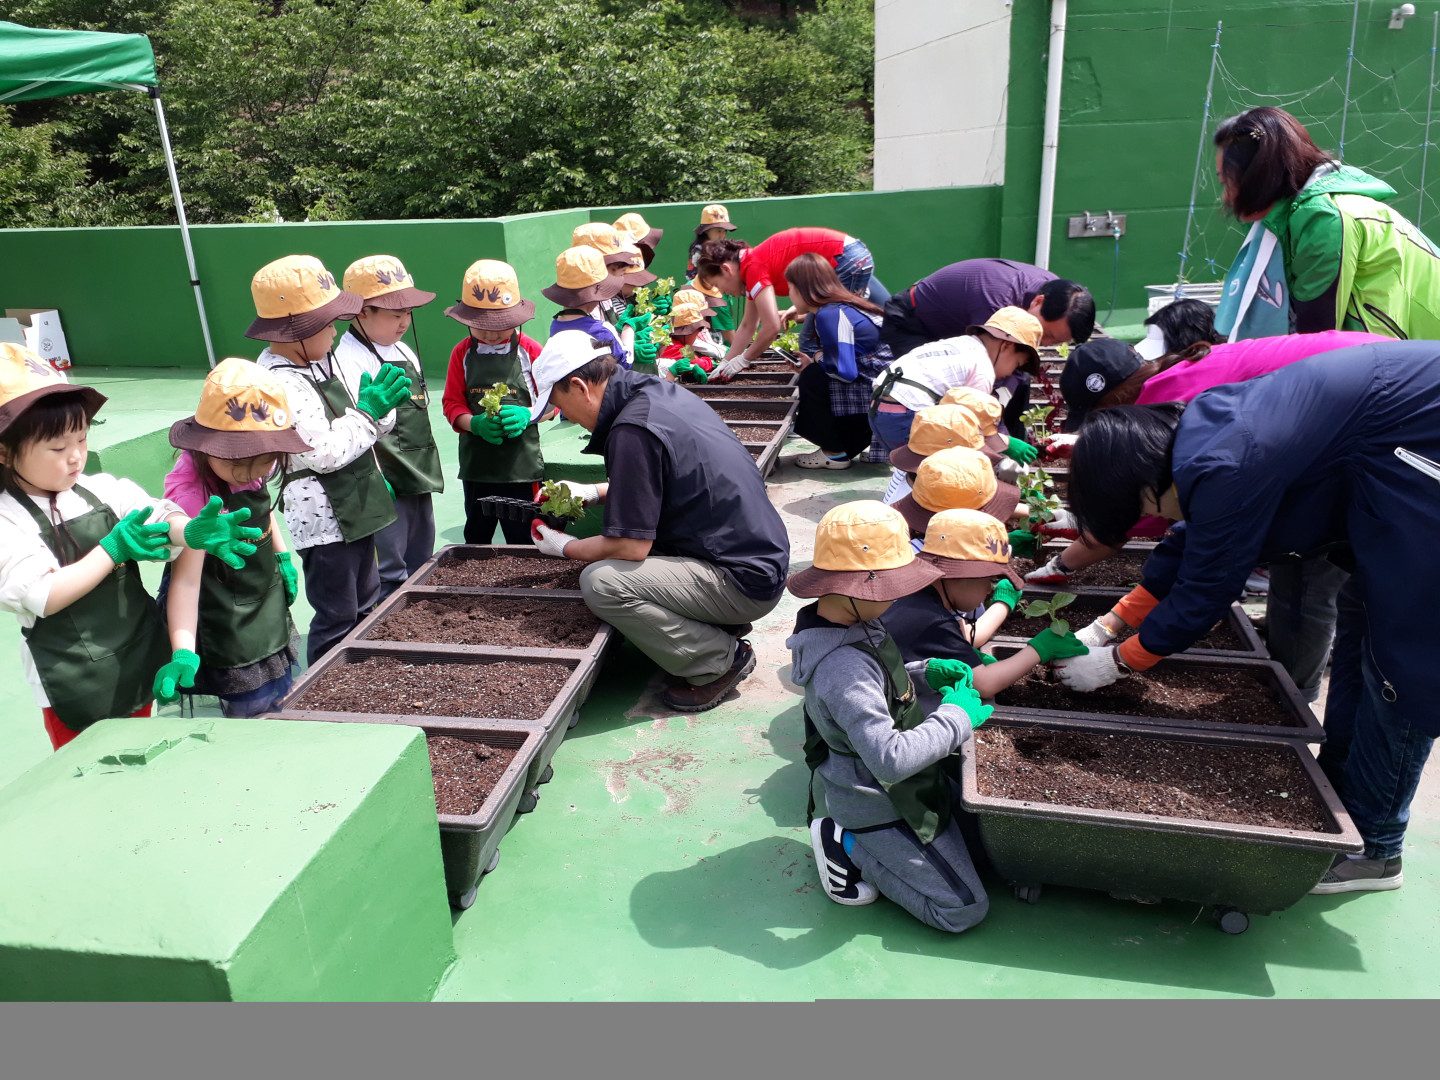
714	254
1184	323
1123	455
599	369
1188	355
1265	155
51	417
814	280
1126	392
1071	301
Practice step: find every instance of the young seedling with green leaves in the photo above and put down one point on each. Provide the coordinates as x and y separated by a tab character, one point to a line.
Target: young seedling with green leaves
662	287
1036	423
643	302
491	399
1038	609
556	498
1043	506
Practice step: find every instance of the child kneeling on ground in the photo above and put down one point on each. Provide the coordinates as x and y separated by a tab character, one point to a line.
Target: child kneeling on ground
885	762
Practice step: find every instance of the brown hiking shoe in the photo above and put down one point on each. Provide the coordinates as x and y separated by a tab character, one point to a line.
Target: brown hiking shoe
689	698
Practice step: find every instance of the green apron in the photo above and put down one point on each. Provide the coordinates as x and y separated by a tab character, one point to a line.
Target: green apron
357	492
97	658
514	461
408	456
243	614
922	800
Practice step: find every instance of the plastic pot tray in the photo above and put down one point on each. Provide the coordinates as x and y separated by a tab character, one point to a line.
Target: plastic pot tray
402	599
1303	726
497	506
1250	868
421	578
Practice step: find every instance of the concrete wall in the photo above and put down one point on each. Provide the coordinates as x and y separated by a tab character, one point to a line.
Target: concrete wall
941	69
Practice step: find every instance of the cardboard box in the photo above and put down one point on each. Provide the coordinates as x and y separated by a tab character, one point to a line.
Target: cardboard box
43	334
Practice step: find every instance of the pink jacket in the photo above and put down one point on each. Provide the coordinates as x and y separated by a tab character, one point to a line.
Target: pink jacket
1244	360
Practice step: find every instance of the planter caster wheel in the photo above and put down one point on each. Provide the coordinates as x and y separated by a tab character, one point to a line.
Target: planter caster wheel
464	902
527	801
1231	920
490	867
1030	894
547	775
574	719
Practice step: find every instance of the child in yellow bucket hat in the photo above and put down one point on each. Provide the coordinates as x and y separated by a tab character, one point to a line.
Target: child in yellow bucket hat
623	259
884	756
500	455
642	234
692	352
408	456
582	281
337	498
92	637
230	630
714	224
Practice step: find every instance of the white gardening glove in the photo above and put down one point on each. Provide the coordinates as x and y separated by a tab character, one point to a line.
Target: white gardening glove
1008	471
1058	446
1095	669
1063	524
1052	573
1096	635
728	370
589	494
549	541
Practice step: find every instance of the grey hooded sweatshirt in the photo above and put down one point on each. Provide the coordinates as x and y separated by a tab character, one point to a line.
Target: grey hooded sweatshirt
845	698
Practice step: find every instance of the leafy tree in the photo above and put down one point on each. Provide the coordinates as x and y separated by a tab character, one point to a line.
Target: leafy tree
41	185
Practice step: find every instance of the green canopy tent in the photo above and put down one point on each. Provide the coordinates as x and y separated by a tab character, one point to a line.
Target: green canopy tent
56	63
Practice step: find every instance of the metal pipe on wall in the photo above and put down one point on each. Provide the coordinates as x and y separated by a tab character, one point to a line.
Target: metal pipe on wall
1050	146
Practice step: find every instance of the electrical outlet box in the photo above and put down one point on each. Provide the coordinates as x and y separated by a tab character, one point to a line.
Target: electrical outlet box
1089	224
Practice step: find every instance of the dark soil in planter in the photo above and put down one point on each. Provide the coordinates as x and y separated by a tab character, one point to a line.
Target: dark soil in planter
772	365
508	690
730	414
756	452
506	572
465	772
1121	572
1216	695
738	391
766	379
753	434
1249	786
1087	609
491	620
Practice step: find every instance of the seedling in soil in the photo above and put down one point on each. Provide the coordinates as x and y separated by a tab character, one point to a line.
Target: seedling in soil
558	500
1036	422
1036	609
1043	506
789	340
490	400
1064	350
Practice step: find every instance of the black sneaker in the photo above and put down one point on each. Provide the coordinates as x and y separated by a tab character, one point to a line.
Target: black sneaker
689	698
839	876
1360	875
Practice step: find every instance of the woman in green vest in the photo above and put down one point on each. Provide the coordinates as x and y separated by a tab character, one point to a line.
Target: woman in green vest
1351	261
230	628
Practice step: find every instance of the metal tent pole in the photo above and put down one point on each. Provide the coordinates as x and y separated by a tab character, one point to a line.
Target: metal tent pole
184	225
1349	67
1200	153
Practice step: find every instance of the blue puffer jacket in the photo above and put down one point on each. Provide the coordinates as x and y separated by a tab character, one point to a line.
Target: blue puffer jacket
1303	461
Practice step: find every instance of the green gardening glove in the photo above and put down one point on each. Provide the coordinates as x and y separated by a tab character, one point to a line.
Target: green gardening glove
1052	646
1023	544
131	538
1022	452
969	702
222	535
1006	593
179	672
381	394
646	352
662	303
514	419
942	674
682	367
489	428
638	322
289	576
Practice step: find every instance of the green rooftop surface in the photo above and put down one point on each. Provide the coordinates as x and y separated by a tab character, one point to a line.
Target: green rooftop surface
669	859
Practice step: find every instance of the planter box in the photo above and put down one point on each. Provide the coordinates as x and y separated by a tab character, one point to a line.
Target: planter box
766	455
1302	725
1247	868
401	599
751	377
422	577
735	394
781	411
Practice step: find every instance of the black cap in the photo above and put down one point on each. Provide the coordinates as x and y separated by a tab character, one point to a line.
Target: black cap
1093	370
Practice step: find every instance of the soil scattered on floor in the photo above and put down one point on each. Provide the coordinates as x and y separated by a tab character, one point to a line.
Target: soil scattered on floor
1251	786
465	772
1086	609
509	690
491	620
730	413
506	572
1216	694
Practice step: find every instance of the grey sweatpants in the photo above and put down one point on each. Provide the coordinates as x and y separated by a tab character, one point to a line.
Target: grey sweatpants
674	610
935	882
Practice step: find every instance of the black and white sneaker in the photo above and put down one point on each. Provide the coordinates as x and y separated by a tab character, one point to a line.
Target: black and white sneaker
1360	875
839	876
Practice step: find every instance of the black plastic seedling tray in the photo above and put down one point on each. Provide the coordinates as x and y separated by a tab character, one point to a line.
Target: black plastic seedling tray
402	599
422	578
497	506
1302	725
1241	869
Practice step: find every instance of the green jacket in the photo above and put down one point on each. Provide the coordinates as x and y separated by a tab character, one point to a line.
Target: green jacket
1388	271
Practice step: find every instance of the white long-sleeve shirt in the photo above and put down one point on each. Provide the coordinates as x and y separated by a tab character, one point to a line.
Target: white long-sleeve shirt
335	441
941	365
27	563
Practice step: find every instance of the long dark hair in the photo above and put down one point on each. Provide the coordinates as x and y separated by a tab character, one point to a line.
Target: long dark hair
1265	155
814	280
1184	323
1122	456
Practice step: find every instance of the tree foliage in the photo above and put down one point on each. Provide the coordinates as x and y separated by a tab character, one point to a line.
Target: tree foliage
348	109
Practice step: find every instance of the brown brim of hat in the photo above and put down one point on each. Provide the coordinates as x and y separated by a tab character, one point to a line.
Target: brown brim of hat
686	329
90	398
1031	366
308	323
651	239
601	290
905	459
915	515
701	230
864	584
970	568
994	448
616	258
509	318
190	434
640	277
401	298
1002	505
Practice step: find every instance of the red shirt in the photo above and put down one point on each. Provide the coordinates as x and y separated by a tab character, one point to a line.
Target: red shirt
453	400
765	263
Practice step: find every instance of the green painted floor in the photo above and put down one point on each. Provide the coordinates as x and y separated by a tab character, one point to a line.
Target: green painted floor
668	859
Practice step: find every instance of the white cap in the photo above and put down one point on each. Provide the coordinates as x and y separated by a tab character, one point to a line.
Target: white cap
1153	347
567	351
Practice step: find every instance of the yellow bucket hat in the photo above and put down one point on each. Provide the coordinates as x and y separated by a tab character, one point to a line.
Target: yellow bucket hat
382	281
862	550
956	479
967	544
243	413
713	296
490	298
604	238
934	429
714	216
295	298
641	232
635	273
25	378
988	411
687	309
1017	325
581	278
